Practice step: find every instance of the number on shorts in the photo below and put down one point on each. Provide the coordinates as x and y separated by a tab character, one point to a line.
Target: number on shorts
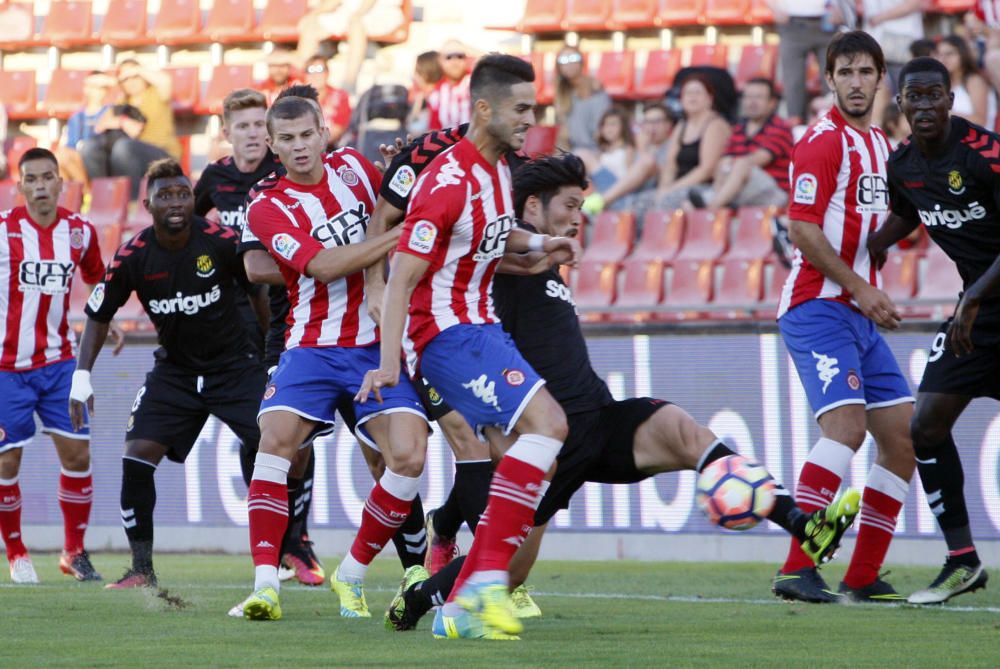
138	399
937	347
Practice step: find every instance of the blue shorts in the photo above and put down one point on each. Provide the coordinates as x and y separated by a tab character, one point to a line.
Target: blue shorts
311	382
44	391
478	370
841	358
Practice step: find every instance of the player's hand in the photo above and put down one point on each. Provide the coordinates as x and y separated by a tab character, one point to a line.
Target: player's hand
567	248
388	152
81	395
117	338
878	306
959	335
877	253
375	380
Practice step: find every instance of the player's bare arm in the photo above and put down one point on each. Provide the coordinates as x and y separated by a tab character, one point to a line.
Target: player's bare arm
895	229
115	334
816	248
335	263
81	393
261	268
405	274
384	217
524	264
522	241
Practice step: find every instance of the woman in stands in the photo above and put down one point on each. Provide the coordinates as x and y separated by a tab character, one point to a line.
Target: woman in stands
580	102
616	146
426	73
975	101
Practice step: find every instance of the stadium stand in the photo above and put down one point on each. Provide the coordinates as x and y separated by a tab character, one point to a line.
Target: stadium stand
594	15
225	78
64	95
740	288
690	289
713	55
662	236
280	20
726	12
108	201
675	13
543	16
68	25
231	21
756	61
17	146
125	24
752	235
641	285
632	14
596	283
616	72
71	196
9	197
899	275
706	235
540	140
657	73
612	237
178	23
185	89
20	94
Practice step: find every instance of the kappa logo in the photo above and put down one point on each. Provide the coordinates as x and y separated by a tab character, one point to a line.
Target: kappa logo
450	174
825	124
264	544
204	266
826	369
484	390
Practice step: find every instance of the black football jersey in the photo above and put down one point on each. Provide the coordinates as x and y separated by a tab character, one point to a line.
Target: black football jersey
539	314
956	196
189	294
223	187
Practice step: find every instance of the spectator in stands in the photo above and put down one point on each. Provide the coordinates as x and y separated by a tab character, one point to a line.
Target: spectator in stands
335	102
754	170
616	149
98	88
280	74
448	103
3	143
580	102
132	135
895	124
426	73
894	24
354	21
975	100
922	47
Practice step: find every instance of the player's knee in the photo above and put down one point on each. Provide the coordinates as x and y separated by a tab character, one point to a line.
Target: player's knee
77	459
9	466
274	443
926	432
555	425
409	464
849	434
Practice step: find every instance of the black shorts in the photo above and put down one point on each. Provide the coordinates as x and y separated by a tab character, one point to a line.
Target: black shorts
434	404
172	406
598	449
976	374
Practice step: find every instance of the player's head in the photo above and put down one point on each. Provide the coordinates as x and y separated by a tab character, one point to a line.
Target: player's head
169	197
296	134
307	92
503	99
548	193
243	124
760	99
925	97
39	181
854	68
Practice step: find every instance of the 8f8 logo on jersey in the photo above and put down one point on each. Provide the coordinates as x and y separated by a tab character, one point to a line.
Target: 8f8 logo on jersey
872	194
47	276
494	238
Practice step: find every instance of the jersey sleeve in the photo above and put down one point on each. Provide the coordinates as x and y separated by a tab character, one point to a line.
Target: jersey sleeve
401	175
113	291
91	265
433	210
274	226
815	165
984	162
899	203
203	192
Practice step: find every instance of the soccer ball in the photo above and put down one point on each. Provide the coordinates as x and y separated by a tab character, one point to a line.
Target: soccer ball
735	493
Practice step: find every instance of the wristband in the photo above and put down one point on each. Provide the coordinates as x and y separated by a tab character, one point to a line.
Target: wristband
81	390
536	242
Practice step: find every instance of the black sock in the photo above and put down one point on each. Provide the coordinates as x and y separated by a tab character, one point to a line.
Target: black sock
447	518
715	451
787	513
425	595
247	457
293	533
472	489
943	480
138	498
410	539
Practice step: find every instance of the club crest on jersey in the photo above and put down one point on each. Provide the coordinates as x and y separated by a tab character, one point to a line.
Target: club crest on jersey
449	174
494	239
514	377
76	239
270	391
402	181
955	185
872	194
853	380
348	176
434	396
204	266
285	245
96	298
805	189
423	236
3	434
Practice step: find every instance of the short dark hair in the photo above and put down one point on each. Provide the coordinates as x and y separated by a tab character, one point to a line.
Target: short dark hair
292	107
543	177
922	47
305	91
498	70
854	43
165	168
772	90
924	64
659	106
37	153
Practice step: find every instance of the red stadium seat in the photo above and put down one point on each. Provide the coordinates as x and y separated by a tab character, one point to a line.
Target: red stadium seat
952	6
760	13
706	235
541	140
727	12
642	284
68	24
225	79
662	234
109	238
280	20
690	288
19	24
125	24
627	14
231	21
543	16
64	95
680	13
753	237
657	75
545	76
179	22
10	197
774	286
16	146
612	238
757	61
20	94
899	275
185	88
595	284
109	201
71	196
593	15
716	55
740	288
616	72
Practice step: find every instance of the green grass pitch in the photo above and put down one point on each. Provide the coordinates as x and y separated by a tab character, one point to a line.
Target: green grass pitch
596	614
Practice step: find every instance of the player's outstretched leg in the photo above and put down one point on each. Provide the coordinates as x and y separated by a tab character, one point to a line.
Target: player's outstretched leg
138	499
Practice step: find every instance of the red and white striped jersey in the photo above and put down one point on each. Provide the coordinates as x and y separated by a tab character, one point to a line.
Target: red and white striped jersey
988	12
449	104
295	222
36	274
839	182
461	212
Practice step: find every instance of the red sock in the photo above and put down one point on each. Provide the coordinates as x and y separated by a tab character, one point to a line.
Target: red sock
382	516
76	496
507	520
267	506
10	520
881	502
816	488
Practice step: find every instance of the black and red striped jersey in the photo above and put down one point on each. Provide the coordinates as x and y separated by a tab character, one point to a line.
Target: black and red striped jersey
775	137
